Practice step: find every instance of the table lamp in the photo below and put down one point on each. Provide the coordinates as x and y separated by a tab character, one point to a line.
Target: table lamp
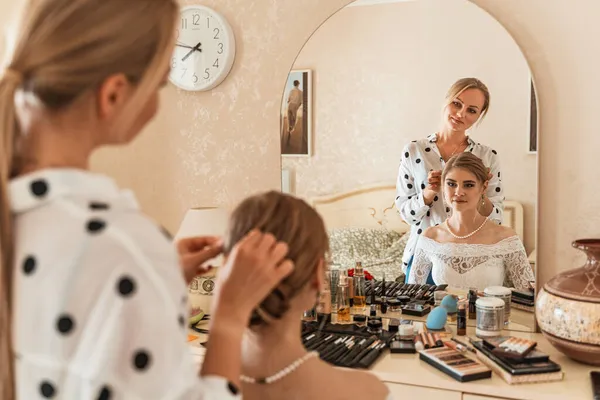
203	221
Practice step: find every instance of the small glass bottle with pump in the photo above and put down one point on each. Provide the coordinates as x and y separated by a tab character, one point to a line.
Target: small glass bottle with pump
359	288
343	305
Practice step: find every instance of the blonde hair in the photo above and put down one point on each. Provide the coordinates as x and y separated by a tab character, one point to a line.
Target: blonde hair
293	222
469	83
65	49
469	162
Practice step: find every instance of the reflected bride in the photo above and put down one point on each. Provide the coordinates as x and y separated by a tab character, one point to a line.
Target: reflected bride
468	250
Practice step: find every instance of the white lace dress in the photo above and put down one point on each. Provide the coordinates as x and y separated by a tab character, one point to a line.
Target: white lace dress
465	266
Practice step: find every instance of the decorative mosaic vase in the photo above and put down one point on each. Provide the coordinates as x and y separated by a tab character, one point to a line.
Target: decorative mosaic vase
567	309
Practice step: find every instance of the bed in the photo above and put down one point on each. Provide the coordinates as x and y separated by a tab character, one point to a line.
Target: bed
364	225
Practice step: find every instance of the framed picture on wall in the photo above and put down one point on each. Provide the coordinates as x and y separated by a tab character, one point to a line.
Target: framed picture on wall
296	115
533	120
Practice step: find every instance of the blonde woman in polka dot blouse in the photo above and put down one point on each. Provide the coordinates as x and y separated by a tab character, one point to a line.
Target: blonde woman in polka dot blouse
93	295
418	187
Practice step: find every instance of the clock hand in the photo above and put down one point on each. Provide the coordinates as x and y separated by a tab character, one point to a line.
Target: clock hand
196	47
183	45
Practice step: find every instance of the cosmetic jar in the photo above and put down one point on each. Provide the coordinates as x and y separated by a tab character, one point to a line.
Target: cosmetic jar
360	320
394	305
406	332
503	293
490	317
438	296
373	310
374	326
393	325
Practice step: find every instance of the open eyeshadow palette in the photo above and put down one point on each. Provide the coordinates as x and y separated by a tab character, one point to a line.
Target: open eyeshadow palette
455	364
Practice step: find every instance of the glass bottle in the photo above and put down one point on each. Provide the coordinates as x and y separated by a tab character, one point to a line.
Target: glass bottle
324	306
472	299
461	320
359	287
334	273
343	305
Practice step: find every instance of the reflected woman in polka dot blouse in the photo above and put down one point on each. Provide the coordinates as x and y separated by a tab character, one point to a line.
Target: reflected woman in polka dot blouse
418	187
93	295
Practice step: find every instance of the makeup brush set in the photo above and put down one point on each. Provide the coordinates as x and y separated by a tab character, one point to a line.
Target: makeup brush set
410	298
345	350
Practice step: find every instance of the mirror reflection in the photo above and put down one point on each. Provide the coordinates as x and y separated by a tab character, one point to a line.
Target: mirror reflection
415	139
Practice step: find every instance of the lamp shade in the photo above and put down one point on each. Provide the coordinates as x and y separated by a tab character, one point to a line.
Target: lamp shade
204	221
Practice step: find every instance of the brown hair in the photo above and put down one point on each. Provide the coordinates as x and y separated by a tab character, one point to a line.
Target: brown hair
469	83
292	221
470	162
65	49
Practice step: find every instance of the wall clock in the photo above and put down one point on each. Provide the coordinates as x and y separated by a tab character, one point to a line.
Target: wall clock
205	49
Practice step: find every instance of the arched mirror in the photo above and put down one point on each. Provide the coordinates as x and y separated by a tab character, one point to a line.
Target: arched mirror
372	79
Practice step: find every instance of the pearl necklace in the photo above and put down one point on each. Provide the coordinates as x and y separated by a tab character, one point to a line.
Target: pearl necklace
466	236
282	373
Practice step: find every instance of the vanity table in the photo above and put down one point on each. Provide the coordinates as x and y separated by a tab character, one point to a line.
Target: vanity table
408	377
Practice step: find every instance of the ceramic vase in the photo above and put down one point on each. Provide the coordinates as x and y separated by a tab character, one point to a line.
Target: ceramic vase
567	309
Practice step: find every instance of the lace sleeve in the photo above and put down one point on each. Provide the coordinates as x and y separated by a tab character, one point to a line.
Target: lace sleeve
518	270
421	266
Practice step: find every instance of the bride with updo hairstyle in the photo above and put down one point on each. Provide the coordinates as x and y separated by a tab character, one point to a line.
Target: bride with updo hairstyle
272	344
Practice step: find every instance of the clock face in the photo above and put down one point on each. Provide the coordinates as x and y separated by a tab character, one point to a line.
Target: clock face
204	51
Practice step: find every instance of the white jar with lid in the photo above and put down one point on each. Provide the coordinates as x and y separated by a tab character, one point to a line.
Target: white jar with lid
503	293
490	317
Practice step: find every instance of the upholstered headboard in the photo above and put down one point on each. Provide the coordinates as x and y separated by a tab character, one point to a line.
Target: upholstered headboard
373	207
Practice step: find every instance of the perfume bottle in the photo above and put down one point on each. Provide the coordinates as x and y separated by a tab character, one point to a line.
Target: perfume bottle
324	305
359	287
343	305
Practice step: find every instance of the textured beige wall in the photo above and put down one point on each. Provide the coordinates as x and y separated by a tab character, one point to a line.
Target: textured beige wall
381	84
217	147
214	148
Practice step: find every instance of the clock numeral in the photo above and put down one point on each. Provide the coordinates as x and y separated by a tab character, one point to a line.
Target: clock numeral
195	78
220	51
196	19
184	71
206	74
173	63
184	23
216	63
208	23
216	31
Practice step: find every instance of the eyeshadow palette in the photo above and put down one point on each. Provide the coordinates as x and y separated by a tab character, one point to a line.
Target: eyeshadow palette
455	364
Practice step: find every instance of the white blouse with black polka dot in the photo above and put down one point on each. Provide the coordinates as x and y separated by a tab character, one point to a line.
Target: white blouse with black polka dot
419	158
99	301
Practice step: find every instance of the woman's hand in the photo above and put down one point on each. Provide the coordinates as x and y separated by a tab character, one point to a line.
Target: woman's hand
194	252
253	269
434	185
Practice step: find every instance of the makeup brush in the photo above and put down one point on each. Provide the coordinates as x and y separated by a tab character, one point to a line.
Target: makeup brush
364	352
367	360
356	350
